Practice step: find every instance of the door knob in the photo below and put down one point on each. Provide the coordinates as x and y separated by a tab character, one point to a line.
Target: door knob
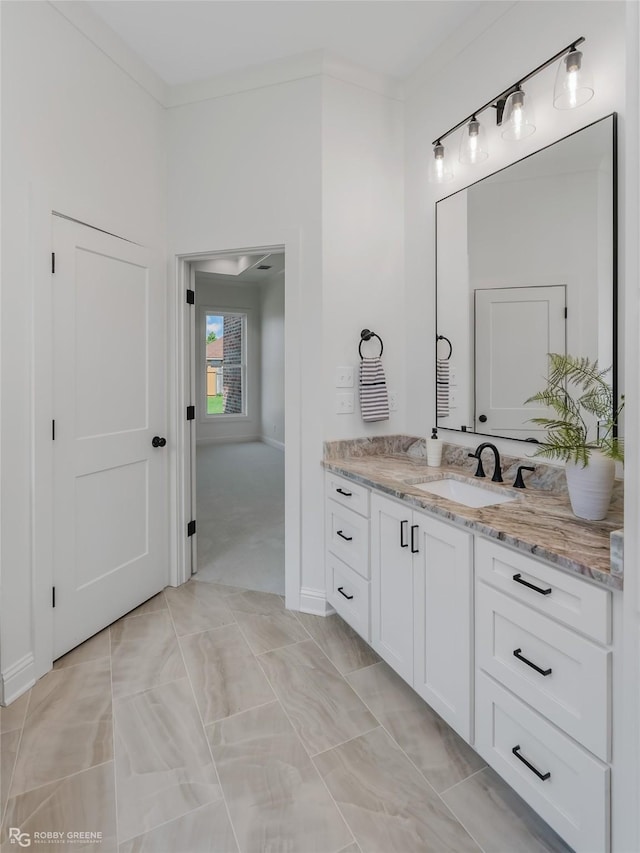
156	441
483	419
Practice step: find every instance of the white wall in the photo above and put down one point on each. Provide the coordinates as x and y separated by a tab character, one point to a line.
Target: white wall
244	299
272	363
363	257
81	137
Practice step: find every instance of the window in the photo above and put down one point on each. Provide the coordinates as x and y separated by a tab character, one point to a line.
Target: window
225	363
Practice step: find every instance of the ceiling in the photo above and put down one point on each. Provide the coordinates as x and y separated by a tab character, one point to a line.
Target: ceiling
248	269
188	40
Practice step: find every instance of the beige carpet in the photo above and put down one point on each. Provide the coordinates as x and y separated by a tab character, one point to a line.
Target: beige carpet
240	515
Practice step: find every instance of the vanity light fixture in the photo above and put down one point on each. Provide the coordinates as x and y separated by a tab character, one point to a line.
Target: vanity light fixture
573	88
473	145
516	122
439	170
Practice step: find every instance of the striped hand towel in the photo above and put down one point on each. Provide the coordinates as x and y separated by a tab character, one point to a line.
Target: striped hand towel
374	402
442	387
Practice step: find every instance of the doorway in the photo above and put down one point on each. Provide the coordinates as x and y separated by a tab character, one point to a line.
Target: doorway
236	441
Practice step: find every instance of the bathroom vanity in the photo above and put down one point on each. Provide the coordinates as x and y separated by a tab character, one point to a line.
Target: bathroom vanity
503	617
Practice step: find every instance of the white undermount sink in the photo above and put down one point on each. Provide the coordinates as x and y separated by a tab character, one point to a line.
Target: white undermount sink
468	494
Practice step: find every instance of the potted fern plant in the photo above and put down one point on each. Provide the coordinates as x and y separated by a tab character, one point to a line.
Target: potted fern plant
582	431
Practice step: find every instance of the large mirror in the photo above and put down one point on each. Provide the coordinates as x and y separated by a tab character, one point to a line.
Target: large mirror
526	265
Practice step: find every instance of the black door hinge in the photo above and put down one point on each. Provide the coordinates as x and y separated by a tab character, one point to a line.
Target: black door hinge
53	596
191	528
566	312
191	297
53	430
53	262
191	413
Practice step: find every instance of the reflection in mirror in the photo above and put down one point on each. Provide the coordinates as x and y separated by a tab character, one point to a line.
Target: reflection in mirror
525	267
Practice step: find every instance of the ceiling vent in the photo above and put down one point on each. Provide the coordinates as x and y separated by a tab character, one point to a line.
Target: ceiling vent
264	267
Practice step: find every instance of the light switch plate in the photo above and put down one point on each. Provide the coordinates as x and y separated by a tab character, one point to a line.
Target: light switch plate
393	401
344	377
345	402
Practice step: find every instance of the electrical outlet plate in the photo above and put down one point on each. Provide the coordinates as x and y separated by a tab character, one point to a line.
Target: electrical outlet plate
344	377
345	403
393	401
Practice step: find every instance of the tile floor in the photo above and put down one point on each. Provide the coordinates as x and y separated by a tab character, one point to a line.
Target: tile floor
212	720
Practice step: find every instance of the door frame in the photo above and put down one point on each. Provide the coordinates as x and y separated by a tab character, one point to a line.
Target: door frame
182	393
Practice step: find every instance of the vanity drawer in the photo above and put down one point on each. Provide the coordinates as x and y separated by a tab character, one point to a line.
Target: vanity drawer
574	798
562	675
348	494
349	595
348	536
574	602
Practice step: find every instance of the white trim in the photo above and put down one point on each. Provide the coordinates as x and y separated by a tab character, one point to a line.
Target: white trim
18	679
279	445
227	439
315	601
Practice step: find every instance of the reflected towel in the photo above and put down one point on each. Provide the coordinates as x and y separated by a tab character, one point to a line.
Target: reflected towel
374	401
442	387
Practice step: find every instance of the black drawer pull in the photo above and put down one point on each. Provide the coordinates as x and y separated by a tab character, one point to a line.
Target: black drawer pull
517	653
342	592
403	530
346	494
342	536
518	579
414	527
543	776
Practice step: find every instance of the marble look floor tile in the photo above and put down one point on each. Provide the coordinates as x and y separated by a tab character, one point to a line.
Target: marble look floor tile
84	802
225	675
264	620
433	746
222	588
144	653
275	796
12	717
151	605
386	802
8	751
92	649
344	648
197	606
499	819
352	848
163	764
324	709
206	830
68	727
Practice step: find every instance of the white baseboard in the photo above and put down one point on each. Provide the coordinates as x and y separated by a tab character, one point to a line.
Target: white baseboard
315	601
229	439
279	445
17	679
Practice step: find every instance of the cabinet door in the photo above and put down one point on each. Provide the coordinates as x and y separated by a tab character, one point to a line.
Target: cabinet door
392	584
443	621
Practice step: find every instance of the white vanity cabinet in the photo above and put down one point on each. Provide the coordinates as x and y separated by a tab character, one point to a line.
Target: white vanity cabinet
421	597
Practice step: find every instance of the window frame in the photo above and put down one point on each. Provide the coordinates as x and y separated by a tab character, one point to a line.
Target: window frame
202	371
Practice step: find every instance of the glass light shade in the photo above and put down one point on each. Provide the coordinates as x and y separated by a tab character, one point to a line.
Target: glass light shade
574	86
516	121
439	169
473	146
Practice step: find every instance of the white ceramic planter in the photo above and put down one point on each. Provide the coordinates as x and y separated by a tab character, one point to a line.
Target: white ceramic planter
590	487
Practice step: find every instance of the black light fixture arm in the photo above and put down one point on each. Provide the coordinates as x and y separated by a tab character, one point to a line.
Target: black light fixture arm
503	95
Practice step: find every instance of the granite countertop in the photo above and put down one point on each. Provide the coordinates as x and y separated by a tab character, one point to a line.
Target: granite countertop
539	521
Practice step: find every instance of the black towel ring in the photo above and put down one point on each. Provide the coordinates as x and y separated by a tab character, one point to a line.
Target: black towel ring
366	335
442	338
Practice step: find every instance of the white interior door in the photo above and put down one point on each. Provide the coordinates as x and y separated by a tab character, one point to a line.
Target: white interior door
110	482
515	329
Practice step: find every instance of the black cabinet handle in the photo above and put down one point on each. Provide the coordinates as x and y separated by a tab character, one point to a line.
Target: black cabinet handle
156	441
517	653
346	494
518	579
342	536
342	592
543	776
403	530
414	527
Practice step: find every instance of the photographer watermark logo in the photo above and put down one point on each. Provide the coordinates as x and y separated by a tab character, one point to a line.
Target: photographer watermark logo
17	837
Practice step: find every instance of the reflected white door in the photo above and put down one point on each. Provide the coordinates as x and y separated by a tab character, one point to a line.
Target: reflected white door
110	483
515	330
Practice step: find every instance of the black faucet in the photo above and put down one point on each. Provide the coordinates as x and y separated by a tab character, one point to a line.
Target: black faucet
497	470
